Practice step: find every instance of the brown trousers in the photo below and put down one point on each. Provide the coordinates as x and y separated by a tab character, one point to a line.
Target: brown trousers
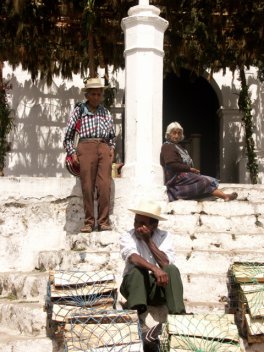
95	174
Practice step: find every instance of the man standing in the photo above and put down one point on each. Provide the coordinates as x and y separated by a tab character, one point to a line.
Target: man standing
150	277
94	153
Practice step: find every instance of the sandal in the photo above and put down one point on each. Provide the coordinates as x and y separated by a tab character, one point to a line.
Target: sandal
87	229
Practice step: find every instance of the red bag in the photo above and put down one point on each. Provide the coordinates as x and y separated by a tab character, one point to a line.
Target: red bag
74	170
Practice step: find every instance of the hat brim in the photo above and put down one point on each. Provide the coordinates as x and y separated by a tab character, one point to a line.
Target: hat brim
93	87
150	215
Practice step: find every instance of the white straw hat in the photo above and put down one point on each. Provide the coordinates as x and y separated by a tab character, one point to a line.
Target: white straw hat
149	208
92	83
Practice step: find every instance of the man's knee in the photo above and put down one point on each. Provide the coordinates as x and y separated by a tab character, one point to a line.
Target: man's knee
136	271
135	277
171	269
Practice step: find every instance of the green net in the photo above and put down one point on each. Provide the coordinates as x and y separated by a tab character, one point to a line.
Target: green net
247	296
200	333
81	310
95	330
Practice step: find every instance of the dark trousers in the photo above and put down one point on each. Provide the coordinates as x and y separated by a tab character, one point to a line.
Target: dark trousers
95	173
140	289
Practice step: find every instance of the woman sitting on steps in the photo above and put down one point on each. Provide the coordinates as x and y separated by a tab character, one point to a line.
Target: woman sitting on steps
182	180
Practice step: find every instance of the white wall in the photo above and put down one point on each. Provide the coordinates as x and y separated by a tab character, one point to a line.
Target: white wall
41	114
232	142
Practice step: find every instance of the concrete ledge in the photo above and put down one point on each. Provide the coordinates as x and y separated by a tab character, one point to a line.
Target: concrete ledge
25	318
14	343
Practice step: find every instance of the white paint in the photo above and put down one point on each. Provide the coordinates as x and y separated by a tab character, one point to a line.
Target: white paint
144	33
143	2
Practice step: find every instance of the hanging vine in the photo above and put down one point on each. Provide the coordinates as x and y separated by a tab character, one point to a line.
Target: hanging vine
6	123
245	107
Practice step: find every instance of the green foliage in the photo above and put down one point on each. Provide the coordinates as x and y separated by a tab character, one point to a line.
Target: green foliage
6	124
214	34
244	104
109	96
51	36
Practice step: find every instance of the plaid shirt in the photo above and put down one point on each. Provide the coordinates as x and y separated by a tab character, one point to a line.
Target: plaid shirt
89	125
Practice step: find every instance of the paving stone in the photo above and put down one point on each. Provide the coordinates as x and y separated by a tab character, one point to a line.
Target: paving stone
23	317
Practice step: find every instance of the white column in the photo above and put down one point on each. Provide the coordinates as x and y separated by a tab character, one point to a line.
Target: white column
144	34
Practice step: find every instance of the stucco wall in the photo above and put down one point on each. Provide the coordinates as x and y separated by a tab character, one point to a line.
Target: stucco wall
41	114
227	87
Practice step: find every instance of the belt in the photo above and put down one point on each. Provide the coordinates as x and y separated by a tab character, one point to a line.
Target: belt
103	140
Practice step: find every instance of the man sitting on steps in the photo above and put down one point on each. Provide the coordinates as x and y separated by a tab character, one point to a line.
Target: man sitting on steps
150	277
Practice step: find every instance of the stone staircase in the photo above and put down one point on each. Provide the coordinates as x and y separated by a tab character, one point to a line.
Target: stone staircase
39	222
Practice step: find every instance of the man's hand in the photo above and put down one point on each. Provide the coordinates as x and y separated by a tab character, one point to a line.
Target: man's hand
75	159
161	276
144	232
194	171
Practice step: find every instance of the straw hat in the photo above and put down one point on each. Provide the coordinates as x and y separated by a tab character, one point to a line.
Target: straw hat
92	83
149	208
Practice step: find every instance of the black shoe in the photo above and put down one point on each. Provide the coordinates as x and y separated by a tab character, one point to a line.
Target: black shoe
141	308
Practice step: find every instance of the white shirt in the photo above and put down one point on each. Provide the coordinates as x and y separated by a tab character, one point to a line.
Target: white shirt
130	243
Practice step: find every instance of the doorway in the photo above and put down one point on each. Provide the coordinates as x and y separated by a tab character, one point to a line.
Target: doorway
190	100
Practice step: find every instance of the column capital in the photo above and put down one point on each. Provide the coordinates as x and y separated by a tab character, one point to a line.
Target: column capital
144	9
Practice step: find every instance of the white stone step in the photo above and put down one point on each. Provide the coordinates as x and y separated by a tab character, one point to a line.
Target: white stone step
38	220
215	262
27	345
12	342
205	288
210	261
24	318
252	193
216	207
35	187
24	285
108	240
216	286
228	240
79	260
204	272
205	240
33	287
191	223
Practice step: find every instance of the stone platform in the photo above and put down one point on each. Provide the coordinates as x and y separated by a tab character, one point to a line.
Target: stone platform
39	223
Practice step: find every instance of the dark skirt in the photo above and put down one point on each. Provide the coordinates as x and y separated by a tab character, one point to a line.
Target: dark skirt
187	185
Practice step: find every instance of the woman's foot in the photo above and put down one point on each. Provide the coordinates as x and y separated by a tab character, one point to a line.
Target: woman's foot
231	196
